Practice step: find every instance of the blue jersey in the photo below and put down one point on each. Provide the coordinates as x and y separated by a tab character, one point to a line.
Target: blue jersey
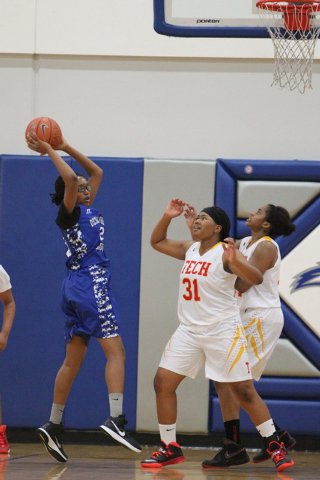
83	233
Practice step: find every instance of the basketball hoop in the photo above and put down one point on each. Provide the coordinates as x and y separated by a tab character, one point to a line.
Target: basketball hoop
294	30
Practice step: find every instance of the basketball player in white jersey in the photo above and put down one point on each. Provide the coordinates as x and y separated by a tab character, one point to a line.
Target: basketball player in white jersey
261	316
9	309
210	331
260	311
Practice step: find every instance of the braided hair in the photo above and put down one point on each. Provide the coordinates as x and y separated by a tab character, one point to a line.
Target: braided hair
279	219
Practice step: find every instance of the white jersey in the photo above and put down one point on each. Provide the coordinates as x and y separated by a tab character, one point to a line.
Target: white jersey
4	280
206	294
265	295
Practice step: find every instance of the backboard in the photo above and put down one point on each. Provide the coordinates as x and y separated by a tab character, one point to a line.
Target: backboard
208	18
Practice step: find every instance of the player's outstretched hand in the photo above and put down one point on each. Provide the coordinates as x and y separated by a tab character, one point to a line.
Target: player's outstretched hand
174	208
229	250
62	145
37	145
190	215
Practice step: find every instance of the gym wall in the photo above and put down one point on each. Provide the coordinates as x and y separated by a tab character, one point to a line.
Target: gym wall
145	105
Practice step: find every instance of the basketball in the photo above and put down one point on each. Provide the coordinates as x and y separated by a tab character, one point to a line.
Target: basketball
46	129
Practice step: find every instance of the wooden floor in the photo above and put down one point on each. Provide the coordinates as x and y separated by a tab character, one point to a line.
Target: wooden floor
89	462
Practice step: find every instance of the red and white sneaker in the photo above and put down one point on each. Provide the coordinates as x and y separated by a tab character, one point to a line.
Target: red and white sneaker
166	455
4	444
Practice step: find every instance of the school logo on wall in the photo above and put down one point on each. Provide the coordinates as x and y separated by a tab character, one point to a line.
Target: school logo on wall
308	278
300	281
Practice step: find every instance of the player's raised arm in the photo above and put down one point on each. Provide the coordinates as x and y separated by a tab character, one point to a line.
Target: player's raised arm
159	240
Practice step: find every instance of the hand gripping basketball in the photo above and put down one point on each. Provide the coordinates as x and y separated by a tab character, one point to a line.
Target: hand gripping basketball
46	129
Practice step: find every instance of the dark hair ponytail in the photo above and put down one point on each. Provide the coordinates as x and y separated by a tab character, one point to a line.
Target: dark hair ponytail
59	187
279	219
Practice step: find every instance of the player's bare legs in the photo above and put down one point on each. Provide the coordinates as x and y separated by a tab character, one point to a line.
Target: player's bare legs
76	351
165	386
230	407
114	373
250	401
166	383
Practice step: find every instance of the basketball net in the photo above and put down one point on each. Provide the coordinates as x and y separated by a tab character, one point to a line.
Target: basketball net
294	33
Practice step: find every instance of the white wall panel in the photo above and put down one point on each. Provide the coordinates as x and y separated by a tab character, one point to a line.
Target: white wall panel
17	100
160	108
107	27
294	196
17	26
287	361
193	182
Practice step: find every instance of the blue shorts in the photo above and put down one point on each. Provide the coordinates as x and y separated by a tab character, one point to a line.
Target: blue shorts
88	305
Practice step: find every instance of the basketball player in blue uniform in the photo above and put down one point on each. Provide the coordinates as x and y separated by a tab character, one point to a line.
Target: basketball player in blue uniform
87	302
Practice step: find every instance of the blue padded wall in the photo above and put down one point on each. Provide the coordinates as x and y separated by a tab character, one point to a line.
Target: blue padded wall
33	253
293	404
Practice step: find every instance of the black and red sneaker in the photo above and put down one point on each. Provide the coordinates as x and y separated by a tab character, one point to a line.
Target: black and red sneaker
230	454
284	437
166	455
280	456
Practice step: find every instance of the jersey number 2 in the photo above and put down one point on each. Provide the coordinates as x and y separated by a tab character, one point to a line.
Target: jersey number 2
189	293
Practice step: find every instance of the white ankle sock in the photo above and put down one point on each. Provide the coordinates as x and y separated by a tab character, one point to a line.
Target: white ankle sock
267	428
168	433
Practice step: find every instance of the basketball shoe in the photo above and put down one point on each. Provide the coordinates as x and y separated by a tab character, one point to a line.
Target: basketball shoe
114	427
4	444
48	435
230	454
166	455
284	437
279	455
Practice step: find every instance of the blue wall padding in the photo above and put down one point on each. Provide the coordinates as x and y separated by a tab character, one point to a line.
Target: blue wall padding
297	416
33	253
305	222
301	335
225	193
290	388
241	229
299	170
284	387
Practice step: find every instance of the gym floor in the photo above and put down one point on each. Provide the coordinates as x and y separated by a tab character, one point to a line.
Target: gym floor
30	461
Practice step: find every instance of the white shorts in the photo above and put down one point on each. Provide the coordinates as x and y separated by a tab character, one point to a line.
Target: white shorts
220	347
262	328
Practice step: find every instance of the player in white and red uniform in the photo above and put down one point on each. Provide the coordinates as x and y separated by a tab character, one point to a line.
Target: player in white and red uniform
210	331
260	311
9	309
